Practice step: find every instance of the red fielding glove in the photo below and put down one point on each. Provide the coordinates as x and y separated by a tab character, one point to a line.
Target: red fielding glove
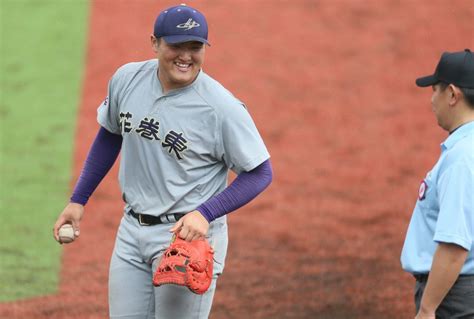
187	264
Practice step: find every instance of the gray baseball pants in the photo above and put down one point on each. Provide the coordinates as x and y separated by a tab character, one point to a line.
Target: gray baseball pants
137	252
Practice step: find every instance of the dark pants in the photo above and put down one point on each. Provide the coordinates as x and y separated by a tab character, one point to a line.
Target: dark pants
458	303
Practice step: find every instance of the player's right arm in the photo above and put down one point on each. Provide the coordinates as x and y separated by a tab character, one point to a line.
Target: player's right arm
101	157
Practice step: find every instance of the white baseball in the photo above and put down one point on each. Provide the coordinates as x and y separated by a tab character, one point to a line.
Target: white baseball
66	234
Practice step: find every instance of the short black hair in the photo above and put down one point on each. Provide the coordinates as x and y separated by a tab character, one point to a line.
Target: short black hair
468	93
469	96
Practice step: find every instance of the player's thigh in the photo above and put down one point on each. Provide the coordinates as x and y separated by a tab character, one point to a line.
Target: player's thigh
130	290
130	279
177	302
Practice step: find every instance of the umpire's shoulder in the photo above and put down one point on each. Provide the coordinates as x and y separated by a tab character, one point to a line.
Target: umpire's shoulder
215	94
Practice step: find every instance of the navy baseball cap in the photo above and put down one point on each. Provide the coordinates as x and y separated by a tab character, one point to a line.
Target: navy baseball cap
455	68
180	24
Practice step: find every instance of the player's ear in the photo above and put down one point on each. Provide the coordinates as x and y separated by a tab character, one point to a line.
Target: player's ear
155	43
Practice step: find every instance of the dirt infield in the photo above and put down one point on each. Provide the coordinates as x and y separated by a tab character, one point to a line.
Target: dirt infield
330	85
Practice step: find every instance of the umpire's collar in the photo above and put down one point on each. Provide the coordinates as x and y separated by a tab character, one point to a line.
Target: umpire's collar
457	135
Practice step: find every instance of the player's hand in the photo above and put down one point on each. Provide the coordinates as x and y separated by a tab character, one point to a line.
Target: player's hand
191	226
72	214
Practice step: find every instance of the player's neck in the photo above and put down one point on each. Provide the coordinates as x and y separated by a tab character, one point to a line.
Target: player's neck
168	84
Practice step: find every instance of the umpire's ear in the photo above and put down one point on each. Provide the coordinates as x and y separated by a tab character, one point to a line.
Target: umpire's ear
455	94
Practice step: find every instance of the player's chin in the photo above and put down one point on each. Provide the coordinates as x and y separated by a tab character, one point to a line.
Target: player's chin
184	78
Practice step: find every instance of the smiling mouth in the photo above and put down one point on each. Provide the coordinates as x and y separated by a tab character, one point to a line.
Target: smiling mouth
183	66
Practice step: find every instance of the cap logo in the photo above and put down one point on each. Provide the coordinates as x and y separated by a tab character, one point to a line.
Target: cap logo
188	25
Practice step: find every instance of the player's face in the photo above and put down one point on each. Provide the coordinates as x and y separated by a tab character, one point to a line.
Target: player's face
179	64
440	106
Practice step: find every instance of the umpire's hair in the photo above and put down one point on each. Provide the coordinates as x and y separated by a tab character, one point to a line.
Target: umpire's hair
469	96
468	93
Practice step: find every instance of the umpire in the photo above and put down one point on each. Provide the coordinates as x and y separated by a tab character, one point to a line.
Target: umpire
439	245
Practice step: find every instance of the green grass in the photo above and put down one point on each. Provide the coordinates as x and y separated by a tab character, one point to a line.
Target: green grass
41	60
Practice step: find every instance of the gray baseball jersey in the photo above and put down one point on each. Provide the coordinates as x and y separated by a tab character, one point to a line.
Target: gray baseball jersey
177	147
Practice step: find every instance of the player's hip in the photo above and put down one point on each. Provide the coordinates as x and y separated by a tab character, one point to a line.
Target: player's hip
147	242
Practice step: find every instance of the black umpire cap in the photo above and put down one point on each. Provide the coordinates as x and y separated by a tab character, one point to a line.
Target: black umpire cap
455	68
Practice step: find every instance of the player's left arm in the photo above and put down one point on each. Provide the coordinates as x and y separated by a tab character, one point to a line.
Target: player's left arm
242	190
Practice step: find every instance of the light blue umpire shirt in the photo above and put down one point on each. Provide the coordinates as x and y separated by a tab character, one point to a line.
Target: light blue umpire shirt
444	212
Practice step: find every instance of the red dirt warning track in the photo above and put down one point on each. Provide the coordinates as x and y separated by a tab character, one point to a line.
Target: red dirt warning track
330	85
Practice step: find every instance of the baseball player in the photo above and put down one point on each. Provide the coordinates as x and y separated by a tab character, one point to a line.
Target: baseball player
439	245
179	133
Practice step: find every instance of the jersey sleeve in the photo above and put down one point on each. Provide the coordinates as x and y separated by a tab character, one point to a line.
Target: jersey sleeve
456	215
242	146
108	111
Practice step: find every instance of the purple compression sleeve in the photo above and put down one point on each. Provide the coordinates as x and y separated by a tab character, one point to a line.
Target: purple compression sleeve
241	191
101	158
